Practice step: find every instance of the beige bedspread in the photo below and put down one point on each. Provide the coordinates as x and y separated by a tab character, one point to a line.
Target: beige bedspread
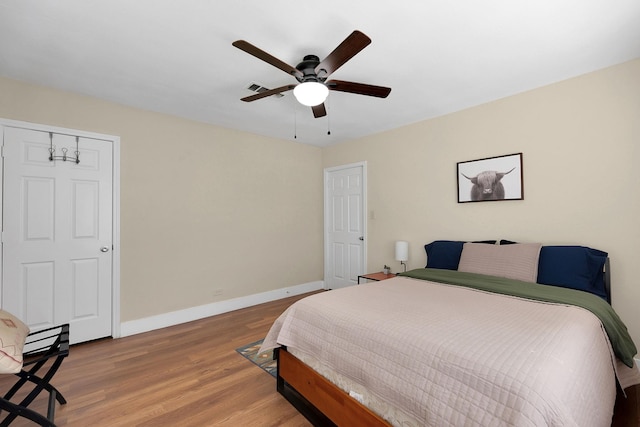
443	355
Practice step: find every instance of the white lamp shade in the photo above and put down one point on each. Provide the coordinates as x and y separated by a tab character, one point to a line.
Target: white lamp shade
402	251
311	93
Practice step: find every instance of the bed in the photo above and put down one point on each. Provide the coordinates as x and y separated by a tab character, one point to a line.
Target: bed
487	334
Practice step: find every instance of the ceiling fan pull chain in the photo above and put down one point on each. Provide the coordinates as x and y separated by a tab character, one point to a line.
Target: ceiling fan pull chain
329	116
295	122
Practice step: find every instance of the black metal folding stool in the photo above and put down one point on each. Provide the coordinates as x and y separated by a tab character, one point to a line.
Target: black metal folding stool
48	345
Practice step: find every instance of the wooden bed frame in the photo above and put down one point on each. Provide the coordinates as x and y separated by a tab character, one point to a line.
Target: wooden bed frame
319	400
325	404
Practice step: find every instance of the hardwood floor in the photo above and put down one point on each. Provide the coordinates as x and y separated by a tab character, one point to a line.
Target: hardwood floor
189	375
185	375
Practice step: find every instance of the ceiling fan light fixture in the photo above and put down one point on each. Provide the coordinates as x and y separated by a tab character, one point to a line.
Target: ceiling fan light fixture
311	93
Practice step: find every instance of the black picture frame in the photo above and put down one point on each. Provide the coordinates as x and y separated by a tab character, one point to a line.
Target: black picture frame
491	179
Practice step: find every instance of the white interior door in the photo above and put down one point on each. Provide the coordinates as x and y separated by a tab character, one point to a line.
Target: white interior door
345	226
57	232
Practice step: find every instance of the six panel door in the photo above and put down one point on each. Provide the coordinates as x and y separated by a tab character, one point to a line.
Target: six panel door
345	227
57	232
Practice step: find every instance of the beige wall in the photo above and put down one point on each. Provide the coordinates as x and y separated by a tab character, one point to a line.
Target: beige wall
202	208
580	141
206	208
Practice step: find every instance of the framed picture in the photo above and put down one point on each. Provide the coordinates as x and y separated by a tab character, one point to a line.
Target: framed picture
491	179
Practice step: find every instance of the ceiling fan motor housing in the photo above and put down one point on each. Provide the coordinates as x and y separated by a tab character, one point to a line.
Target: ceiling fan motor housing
308	69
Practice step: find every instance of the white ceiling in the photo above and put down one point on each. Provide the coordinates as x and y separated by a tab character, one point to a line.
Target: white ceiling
176	57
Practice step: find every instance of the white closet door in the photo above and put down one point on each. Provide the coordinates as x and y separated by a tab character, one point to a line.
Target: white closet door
57	233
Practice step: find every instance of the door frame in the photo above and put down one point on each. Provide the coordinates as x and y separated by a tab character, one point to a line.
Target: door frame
327	172
115	266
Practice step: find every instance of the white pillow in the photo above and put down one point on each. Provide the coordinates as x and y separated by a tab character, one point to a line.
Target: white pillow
518	261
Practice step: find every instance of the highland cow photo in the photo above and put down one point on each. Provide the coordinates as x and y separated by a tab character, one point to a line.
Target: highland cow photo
491	179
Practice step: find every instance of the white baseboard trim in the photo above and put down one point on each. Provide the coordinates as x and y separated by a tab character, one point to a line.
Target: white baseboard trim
194	313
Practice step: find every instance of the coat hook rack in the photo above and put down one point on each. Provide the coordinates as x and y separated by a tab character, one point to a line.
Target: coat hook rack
64	157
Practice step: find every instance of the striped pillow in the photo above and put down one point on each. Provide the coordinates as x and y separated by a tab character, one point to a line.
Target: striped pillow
518	261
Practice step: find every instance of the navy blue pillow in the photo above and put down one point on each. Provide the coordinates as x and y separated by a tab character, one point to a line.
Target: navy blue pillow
445	254
576	267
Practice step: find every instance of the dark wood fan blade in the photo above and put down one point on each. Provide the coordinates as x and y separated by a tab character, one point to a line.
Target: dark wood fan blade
319	111
266	57
359	88
268	93
353	44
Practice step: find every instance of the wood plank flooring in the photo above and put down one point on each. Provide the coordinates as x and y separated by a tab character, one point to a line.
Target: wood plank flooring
188	375
185	375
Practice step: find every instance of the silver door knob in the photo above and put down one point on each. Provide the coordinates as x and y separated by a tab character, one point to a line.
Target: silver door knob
104	249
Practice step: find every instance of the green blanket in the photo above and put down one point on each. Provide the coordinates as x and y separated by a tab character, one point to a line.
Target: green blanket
622	343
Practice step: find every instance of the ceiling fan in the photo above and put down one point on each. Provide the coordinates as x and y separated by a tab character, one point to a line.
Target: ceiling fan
312	87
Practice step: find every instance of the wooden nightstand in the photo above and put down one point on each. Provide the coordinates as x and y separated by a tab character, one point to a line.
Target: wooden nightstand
376	277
